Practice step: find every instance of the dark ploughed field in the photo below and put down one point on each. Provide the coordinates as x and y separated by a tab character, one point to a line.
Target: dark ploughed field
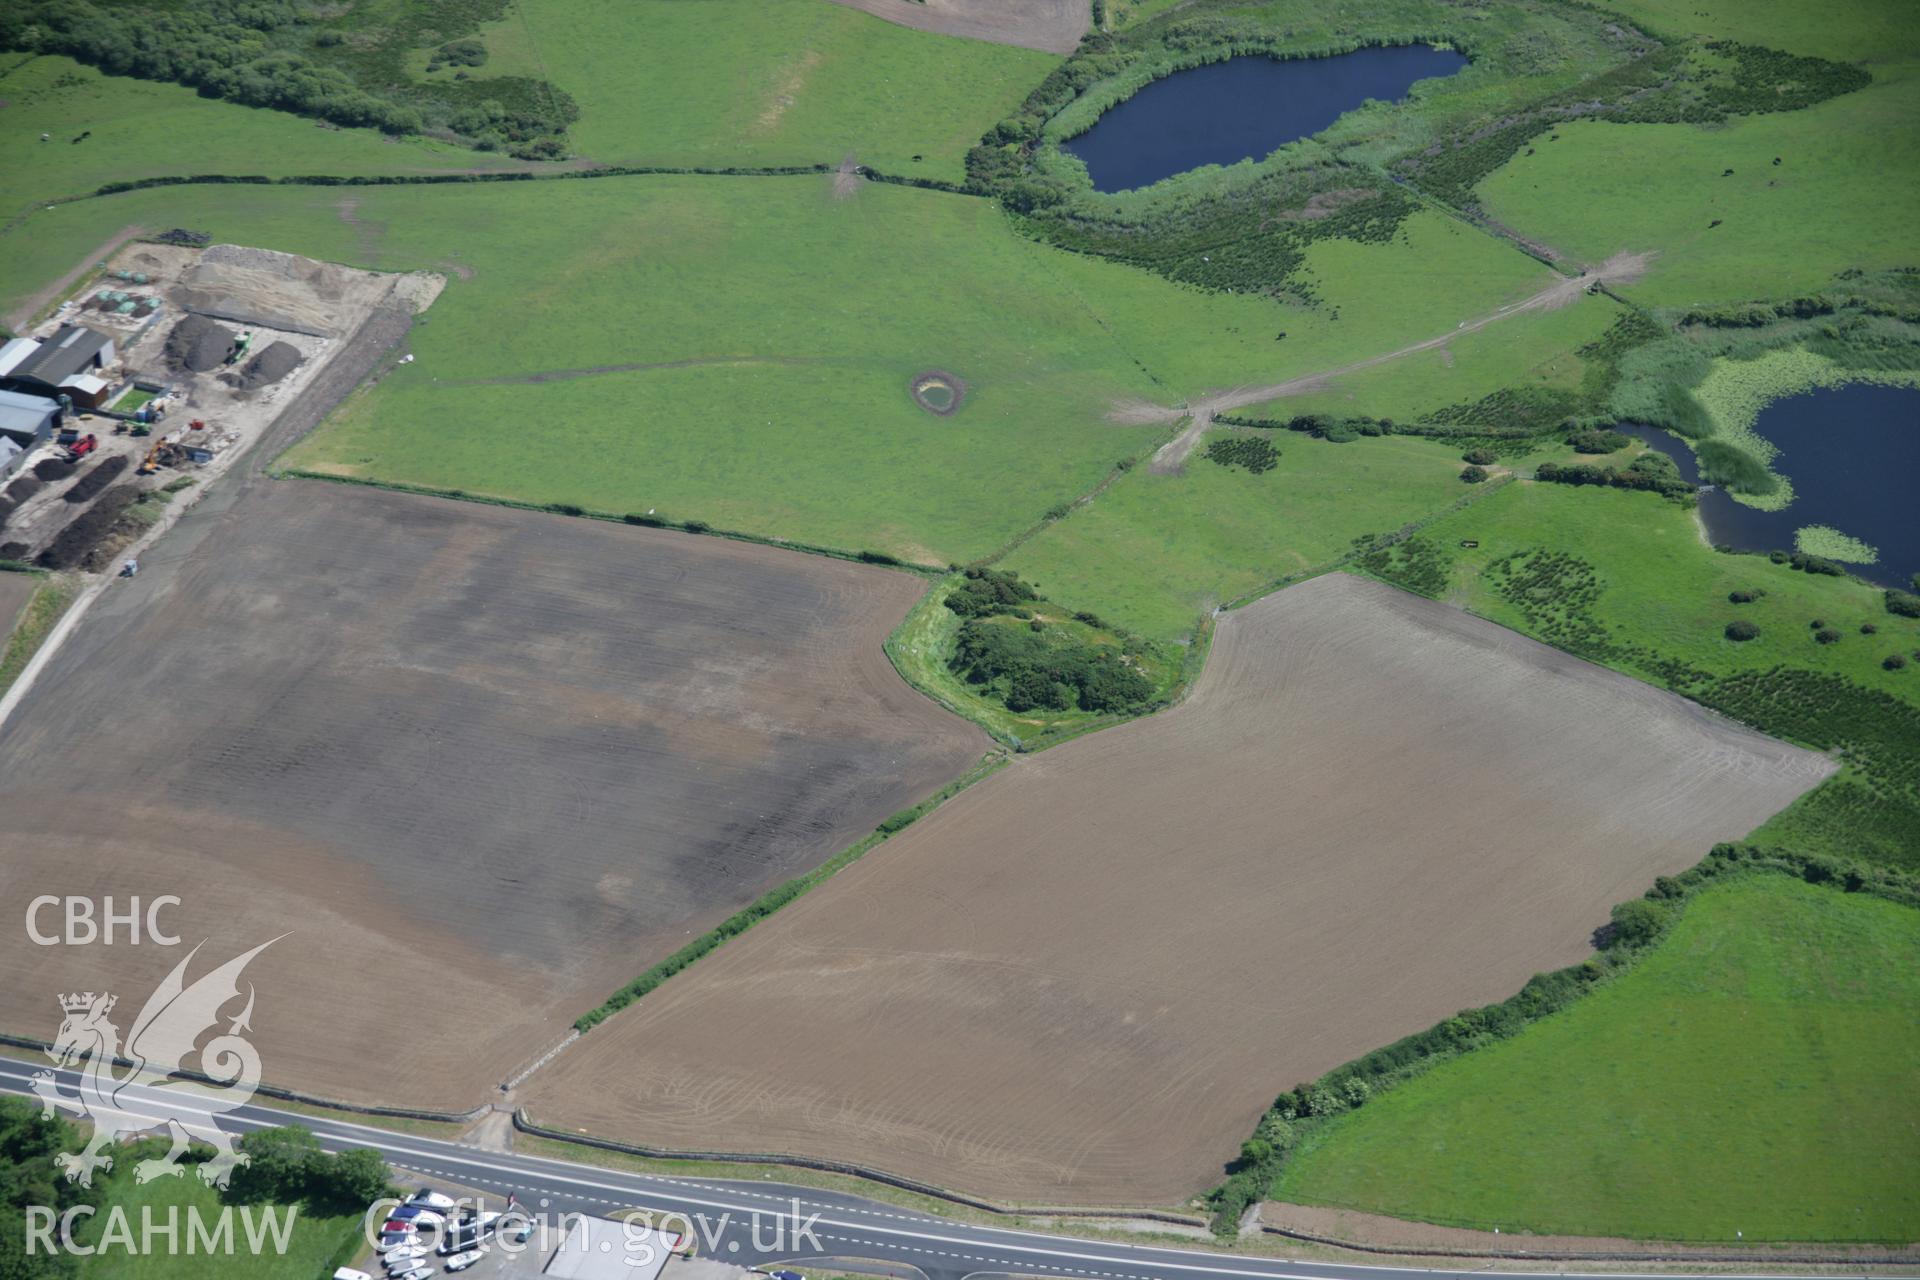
486	765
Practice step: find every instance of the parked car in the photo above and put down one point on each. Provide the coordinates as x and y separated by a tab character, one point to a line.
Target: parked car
428	1198
786	1275
518	1233
461	1261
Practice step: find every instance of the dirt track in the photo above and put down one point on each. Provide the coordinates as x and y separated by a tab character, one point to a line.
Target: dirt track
1084	979
485	764
1054	26
1621	268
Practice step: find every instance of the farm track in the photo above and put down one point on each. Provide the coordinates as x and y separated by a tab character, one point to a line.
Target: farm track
1621	268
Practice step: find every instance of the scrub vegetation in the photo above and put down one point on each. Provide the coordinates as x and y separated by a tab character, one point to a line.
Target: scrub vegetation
345	65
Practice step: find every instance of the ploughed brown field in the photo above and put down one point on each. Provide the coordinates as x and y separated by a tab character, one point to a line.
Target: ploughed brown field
485	765
1083	980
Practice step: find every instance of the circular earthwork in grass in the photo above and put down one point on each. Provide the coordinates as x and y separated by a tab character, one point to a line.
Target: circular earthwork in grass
937	391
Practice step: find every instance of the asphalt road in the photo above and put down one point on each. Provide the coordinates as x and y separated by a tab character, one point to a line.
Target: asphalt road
765	1223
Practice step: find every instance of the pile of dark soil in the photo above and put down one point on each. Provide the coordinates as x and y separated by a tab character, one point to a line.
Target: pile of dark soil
197	344
94	481
22	488
271	365
78	539
52	469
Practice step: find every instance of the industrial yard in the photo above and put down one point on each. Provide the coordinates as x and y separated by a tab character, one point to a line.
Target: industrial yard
181	360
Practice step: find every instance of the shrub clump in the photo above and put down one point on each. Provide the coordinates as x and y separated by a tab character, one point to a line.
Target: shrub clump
1481	457
1894	661
1598	441
1742	631
1745	596
1472	474
1042	665
1903	604
1252	453
1827	635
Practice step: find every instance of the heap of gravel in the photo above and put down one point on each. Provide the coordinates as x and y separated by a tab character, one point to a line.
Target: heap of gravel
271	365
197	344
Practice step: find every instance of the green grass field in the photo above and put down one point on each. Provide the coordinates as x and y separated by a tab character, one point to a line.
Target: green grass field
1156	552
1842	196
774	82
780	330
312	1244
1755	1077
1855	30
142	129
1665	588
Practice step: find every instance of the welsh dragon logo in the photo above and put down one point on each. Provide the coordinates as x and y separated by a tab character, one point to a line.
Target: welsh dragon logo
162	1042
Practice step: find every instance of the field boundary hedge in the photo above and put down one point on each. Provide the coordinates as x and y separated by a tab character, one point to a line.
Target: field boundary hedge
1638	926
879	559
505	175
779	896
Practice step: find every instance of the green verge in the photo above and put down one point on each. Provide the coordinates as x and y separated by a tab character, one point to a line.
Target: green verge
1159	552
50	600
1748	1078
776	898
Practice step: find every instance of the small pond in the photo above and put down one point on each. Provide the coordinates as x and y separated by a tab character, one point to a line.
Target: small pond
1229	111
1853	454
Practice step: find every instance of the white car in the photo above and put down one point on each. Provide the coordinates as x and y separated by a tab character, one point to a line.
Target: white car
428	1198
461	1261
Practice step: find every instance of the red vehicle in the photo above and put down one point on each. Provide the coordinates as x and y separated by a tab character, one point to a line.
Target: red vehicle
82	447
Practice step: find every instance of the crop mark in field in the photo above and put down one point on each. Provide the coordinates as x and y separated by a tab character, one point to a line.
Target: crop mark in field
594	371
1622	268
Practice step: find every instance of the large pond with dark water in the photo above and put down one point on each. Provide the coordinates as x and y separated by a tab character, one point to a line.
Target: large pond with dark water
1853	455
1243	108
